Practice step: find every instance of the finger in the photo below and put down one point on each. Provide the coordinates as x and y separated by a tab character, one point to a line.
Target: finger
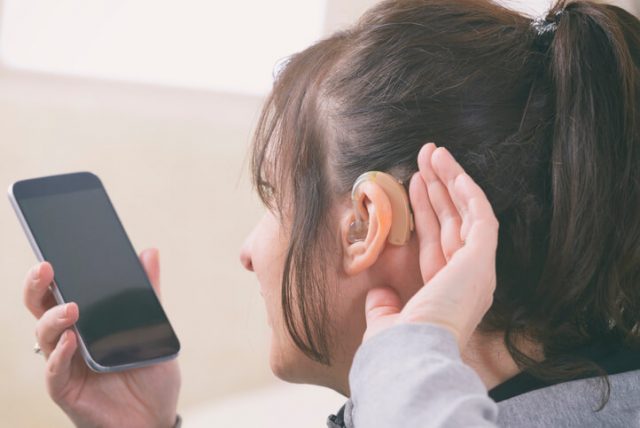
150	259
380	303
52	323
59	365
477	258
382	308
463	190
37	296
443	206
448	170
427	228
483	224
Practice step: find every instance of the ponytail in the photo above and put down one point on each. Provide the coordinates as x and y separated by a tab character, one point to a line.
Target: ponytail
594	239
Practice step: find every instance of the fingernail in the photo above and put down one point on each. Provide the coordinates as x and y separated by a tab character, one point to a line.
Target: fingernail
66	310
148	254
35	274
63	338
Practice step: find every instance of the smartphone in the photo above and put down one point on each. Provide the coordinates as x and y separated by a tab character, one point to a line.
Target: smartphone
71	223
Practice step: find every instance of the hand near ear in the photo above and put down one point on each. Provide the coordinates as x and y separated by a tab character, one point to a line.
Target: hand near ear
458	235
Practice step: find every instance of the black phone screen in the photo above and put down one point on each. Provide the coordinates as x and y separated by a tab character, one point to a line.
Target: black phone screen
78	231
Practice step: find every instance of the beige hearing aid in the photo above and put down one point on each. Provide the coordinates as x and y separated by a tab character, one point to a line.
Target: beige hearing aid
401	217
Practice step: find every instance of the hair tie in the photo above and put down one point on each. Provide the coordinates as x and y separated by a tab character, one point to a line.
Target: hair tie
545	28
547	24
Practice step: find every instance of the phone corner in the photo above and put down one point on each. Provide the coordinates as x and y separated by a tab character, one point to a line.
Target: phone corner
94	366
90	176
11	191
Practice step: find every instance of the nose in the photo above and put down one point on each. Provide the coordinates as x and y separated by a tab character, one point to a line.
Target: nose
245	254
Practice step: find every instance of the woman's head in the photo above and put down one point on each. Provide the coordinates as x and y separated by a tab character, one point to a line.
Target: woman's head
546	122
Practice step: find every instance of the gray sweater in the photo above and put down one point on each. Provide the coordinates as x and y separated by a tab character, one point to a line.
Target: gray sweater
412	376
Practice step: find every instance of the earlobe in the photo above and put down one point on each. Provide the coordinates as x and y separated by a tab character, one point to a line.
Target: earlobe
363	242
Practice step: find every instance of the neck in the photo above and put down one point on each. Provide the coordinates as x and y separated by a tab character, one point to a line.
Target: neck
487	354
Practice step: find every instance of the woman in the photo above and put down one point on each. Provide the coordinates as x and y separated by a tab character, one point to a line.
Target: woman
544	116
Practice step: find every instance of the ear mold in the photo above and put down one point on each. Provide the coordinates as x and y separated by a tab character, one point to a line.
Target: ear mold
401	217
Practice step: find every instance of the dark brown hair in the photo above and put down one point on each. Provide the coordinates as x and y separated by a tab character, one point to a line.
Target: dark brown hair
546	122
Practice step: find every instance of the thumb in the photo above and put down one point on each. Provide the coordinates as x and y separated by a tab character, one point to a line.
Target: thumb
381	310
150	259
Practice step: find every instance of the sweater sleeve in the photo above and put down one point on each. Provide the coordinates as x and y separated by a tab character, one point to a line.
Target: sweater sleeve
412	375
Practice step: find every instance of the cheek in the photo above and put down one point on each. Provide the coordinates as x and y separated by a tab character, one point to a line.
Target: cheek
269	269
268	252
286	360
268	256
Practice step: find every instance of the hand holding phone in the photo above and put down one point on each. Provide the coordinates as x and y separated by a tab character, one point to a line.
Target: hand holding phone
71	223
108	343
142	397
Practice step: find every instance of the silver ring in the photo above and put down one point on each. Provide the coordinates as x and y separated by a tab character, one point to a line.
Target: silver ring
37	349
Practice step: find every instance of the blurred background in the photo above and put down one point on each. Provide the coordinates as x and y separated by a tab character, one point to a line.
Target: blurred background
159	99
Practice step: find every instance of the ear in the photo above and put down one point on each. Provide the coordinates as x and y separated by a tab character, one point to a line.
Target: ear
374	206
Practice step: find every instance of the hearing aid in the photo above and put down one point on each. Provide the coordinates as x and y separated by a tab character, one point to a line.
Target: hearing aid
401	216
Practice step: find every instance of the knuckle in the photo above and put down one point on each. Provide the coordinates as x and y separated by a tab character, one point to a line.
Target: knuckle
47	323
27	291
448	254
490	224
26	299
32	276
42	331
489	302
31	289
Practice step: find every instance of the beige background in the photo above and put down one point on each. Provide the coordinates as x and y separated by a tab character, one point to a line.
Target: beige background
174	163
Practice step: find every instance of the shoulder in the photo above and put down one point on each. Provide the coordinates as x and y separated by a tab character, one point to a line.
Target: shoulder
576	403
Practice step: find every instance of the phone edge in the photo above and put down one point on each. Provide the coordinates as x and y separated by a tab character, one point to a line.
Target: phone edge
91	363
